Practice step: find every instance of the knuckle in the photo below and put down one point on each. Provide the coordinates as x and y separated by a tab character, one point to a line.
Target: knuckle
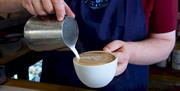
41	12
121	42
126	58
55	1
49	9
116	41
26	3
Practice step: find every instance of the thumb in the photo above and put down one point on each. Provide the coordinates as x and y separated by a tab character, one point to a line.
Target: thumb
113	46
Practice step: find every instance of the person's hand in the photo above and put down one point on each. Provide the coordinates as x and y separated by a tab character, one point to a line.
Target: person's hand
44	7
120	49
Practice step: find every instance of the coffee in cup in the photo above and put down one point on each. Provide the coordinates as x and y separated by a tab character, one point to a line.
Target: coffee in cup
95	58
95	69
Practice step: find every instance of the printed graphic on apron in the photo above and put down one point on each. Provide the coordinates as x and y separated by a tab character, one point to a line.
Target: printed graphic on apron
97	4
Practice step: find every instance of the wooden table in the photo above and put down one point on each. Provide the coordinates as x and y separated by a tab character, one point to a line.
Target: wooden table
34	86
164	79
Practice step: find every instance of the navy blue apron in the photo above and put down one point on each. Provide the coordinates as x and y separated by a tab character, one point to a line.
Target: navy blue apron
118	20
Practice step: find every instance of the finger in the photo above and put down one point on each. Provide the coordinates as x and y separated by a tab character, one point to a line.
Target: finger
47	5
37	4
121	67
122	63
59	9
27	4
113	46
69	11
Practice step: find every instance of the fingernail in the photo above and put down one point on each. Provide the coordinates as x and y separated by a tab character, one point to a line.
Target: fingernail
73	16
60	18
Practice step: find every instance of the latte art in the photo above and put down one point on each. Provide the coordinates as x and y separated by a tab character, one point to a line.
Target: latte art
95	58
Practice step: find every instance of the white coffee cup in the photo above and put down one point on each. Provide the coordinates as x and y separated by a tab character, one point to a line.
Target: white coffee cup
96	76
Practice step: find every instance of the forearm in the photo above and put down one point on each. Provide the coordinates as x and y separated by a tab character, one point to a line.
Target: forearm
151	50
10	6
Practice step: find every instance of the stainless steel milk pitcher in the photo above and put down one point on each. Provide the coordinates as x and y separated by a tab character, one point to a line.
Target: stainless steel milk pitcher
50	34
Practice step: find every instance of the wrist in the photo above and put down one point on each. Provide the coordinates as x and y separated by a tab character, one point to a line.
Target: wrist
131	50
